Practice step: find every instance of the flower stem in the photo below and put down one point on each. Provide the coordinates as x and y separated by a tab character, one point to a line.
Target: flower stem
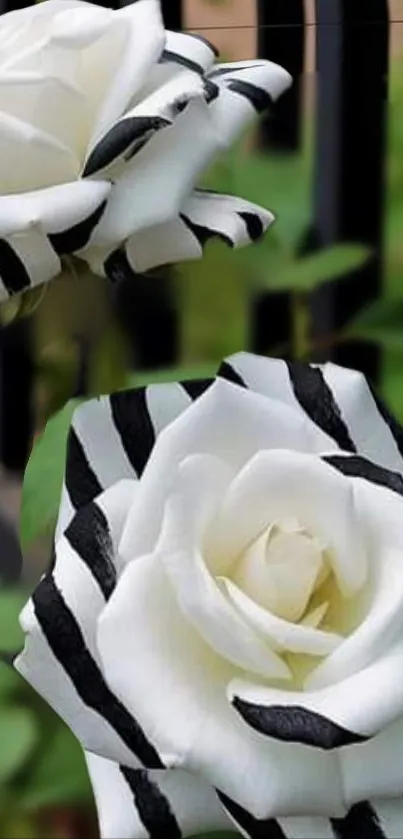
301	325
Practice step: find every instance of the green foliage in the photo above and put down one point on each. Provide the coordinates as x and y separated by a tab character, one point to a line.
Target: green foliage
18	737
382	322
310	272
11	637
44	477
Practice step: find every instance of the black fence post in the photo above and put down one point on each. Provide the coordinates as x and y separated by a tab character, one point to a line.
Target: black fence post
172	11
145	305
349	186
281	38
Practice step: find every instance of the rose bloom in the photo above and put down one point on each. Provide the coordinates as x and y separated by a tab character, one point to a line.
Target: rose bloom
107	122
222	627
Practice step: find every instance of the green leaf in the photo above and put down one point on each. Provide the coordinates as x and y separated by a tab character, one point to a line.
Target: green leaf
11	636
9	680
18	737
59	776
312	271
221	835
381	322
173	374
44	477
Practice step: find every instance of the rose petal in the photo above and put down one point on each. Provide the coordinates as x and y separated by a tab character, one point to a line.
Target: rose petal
204	216
55	209
144	41
339	400
192	500
27	259
379	514
246	89
52	105
375	820
325	717
154	186
135	804
281	635
268	490
376	433
112	437
177	688
31	159
139	124
256	423
60	658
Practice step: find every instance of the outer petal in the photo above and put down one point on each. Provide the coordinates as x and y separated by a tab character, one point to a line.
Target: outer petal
177	690
246	89
152	191
153	188
145	38
138	125
376	820
111	438
204	216
60	658
135	804
37	227
336	399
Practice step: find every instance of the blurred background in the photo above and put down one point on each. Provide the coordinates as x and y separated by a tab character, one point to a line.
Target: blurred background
325	284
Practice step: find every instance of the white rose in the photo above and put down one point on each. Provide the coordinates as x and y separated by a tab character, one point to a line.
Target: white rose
106	123
223	624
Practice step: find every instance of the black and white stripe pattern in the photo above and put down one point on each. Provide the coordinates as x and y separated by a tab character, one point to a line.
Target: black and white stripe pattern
335	400
364	821
110	438
204	216
295	724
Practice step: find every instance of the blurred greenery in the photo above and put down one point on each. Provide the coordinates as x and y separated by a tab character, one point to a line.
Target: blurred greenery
44	788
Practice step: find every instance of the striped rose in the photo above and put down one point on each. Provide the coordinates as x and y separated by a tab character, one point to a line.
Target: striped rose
107	122
222	627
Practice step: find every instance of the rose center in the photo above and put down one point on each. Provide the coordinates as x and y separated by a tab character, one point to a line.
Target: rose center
282	569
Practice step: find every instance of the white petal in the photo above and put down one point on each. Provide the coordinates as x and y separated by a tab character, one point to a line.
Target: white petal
374	769
151	191
144	42
380	624
204	216
256	423
31	159
54	209
52	105
185	47
60	657
26	260
282	635
276	485
246	89
331	719
375	432
298	385
338	400
112	437
192	500
124	140
177	688
133	803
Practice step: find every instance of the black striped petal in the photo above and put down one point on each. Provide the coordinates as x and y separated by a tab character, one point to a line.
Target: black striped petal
295	724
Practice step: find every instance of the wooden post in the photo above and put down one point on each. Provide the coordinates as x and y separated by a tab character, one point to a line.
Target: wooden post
349	183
